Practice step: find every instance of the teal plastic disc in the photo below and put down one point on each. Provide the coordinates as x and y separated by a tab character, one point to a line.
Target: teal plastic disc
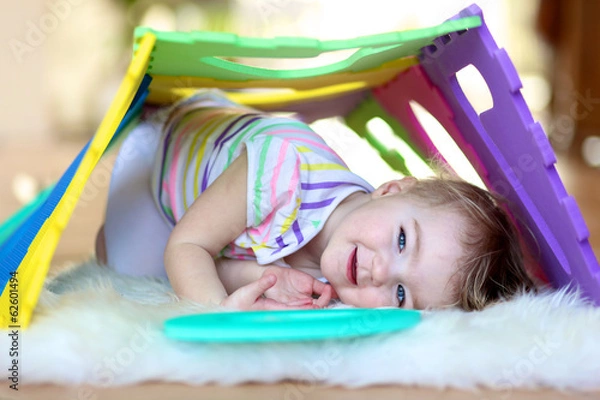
289	326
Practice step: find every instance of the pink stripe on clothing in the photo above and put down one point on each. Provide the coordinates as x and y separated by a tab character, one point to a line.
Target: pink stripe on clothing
171	189
260	231
322	146
277	171
292	188
207	115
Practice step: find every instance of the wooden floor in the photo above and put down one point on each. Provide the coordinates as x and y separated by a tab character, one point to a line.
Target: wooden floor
284	391
45	162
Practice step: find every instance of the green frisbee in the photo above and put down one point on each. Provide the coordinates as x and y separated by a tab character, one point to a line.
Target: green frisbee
289	326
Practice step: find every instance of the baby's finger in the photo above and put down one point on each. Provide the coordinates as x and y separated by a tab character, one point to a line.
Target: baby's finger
318	286
259	287
300	302
325	298
334	294
250	293
269	304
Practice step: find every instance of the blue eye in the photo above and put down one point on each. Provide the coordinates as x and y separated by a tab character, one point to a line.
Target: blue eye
401	240
400	295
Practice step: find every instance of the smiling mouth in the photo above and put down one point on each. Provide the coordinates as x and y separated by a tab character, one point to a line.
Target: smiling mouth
351	267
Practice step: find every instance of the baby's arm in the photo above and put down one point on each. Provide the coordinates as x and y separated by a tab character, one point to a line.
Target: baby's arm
237	273
216	218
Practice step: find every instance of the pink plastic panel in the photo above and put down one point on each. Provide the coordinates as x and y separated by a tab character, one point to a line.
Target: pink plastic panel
414	85
514	155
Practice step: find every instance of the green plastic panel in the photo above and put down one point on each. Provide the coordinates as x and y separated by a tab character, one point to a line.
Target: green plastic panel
201	54
357	121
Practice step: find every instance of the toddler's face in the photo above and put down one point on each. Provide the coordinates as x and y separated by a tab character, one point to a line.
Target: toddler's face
395	251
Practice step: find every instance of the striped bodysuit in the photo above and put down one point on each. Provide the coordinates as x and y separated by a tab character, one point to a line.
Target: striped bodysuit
295	180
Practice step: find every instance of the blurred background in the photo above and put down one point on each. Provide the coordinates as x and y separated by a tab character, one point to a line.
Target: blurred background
62	60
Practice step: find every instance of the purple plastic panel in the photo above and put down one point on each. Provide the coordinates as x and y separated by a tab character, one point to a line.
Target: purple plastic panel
516	156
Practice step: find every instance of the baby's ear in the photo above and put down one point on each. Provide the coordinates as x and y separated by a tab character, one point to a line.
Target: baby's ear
395	186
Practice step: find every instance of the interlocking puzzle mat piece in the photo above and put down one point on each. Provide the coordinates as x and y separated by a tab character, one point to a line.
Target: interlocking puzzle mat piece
288	325
275	100
201	54
358	119
414	86
168	89
311	111
182	62
12	223
25	257
510	151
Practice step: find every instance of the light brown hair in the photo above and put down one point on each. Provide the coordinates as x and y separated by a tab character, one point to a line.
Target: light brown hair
492	267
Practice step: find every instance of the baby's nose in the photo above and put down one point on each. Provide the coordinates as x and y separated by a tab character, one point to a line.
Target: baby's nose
379	271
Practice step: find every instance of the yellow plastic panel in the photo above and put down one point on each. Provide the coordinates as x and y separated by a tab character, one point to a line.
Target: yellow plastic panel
168	89
33	269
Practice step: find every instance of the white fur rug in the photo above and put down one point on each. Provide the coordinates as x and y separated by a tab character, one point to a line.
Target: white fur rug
94	326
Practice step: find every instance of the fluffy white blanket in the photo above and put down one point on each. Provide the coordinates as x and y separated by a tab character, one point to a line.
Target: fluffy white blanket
94	326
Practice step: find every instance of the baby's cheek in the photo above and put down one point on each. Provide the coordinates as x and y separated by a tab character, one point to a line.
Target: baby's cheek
364	298
345	296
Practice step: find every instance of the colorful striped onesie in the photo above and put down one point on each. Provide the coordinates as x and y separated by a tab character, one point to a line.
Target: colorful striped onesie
295	180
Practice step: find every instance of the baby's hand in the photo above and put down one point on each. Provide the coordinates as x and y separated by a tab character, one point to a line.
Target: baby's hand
296	289
251	296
